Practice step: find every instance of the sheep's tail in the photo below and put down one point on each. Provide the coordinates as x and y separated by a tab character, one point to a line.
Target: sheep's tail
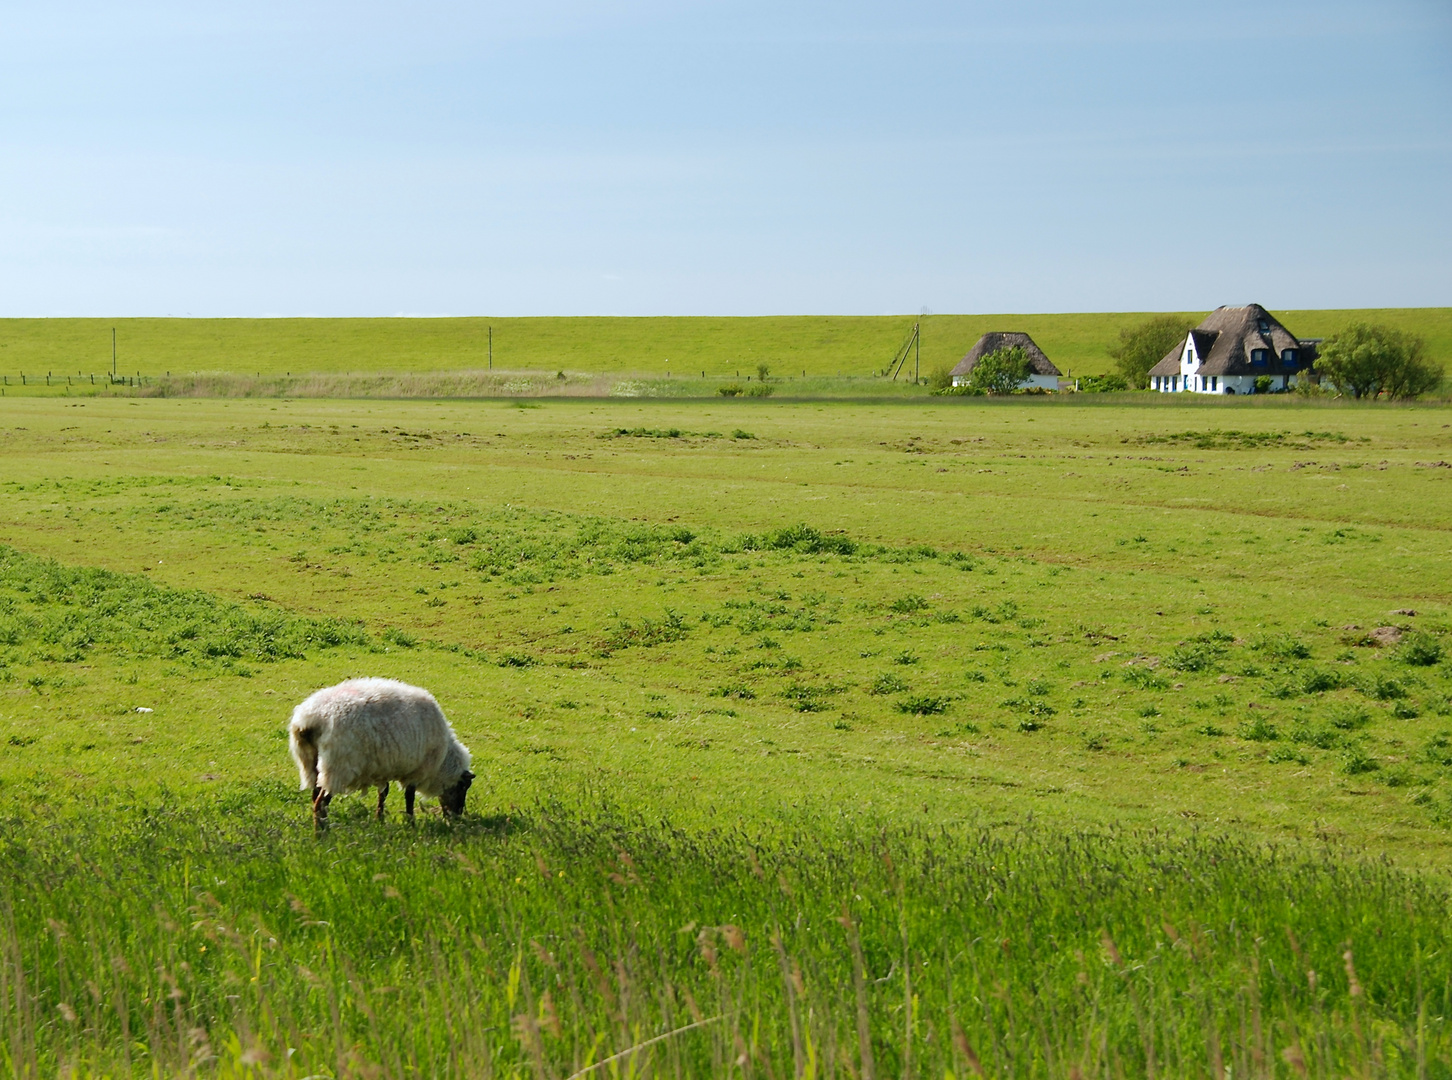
302	741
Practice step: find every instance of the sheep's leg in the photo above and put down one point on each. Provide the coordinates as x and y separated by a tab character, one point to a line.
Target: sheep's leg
382	794
408	800
321	799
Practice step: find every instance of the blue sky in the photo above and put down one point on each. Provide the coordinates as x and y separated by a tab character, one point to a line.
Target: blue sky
646	158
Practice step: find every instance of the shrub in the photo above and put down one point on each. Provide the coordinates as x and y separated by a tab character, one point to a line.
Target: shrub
1349	717
1282	646
643	433
923	705
1322	738
1198	654
802	539
1103	384
1384	688
1286	753
806	698
1438	750
1318	682
740	691
760	390
1258	729
1356	761
887	683
730	390
906	605
648	633
1420	649
1143	678
402	638
1030	706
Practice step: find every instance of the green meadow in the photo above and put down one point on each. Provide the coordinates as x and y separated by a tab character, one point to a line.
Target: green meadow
1012	738
716	349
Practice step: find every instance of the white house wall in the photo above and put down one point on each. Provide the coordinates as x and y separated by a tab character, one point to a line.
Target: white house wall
1043	382
1196	384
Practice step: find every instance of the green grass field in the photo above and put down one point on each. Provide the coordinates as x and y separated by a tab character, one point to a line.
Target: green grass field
793	346
970	737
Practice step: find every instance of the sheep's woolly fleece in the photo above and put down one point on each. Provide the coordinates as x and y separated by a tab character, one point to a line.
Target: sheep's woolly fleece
365	732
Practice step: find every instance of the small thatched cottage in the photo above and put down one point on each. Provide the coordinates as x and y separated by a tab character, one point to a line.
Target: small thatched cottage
1232	348
1042	372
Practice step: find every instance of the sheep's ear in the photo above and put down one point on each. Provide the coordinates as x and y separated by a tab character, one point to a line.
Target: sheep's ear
468	775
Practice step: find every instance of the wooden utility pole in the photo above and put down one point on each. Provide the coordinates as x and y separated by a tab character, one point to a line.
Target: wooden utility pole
491	348
113	354
910	347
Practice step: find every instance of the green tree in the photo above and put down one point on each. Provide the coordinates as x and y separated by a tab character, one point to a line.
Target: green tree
1000	372
1143	346
1367	359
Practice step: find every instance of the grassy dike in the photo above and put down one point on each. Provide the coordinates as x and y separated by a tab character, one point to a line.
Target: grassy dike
983	738
647	348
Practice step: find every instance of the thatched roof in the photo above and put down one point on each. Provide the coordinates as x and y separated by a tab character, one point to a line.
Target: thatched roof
1170	363
1039	364
1225	339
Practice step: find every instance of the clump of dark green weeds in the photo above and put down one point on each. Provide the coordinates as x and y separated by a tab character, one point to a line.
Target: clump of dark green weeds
62	613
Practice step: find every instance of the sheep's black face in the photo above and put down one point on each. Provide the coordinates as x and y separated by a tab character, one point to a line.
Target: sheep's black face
452	800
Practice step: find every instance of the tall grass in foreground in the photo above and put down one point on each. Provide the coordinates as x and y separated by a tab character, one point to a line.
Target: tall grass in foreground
224	939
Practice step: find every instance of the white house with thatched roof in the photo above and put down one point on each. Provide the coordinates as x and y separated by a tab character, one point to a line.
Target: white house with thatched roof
1230	350
1042	373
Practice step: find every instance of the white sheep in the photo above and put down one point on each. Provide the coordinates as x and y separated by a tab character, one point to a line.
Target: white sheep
369	732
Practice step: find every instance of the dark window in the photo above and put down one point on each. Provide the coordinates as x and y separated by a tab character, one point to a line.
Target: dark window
1258	357
1290	357
1264	326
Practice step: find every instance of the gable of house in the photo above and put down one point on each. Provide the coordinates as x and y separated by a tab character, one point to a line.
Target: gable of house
1039	364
